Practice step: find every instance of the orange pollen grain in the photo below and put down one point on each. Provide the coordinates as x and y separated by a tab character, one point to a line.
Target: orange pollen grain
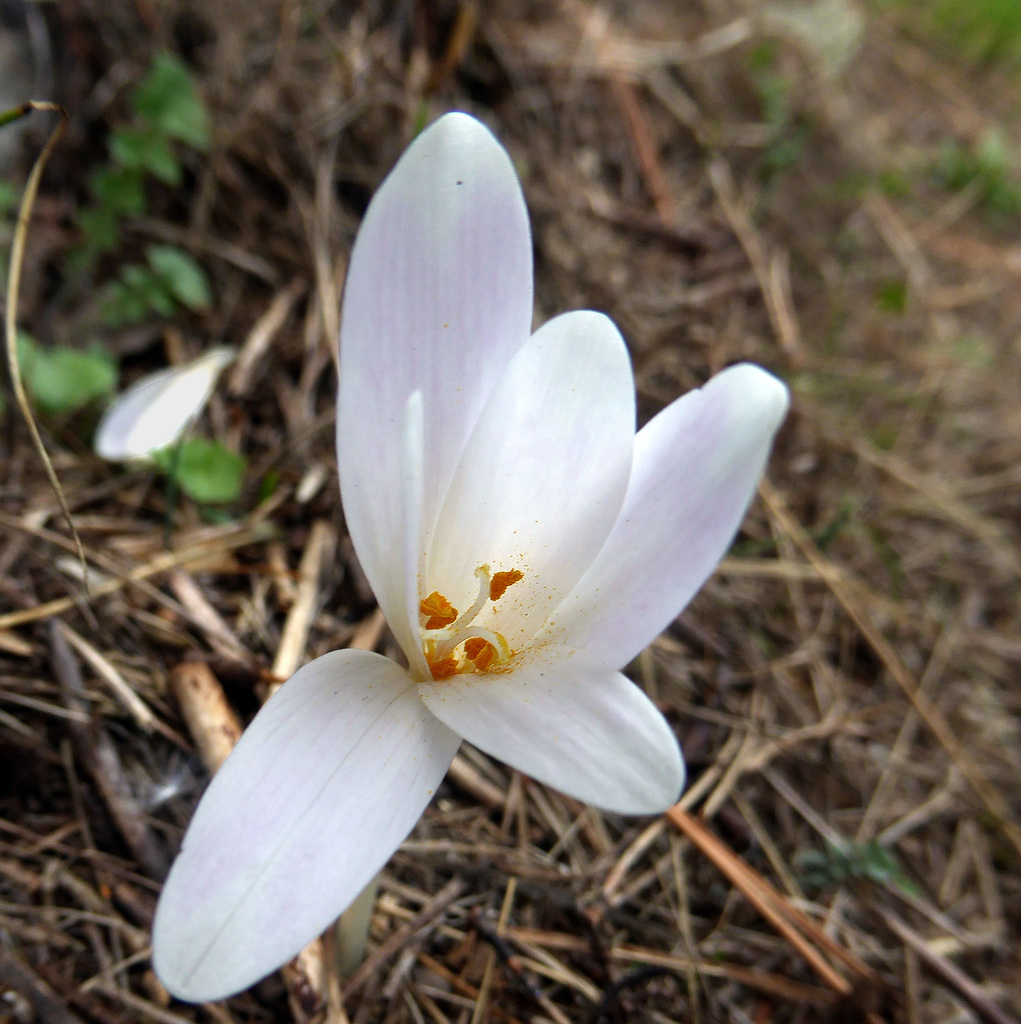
443	668
439	612
501	581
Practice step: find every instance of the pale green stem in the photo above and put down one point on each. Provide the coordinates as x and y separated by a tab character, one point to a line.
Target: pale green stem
352	930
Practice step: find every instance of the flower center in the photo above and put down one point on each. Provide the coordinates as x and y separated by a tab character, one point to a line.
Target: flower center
451	643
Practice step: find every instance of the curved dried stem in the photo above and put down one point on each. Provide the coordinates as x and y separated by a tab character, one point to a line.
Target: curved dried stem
11	317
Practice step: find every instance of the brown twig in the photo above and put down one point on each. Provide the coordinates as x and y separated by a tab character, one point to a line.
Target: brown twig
770	269
400	938
17	975
645	147
206	711
261	337
294	637
195	554
460	38
97	752
796	927
947	972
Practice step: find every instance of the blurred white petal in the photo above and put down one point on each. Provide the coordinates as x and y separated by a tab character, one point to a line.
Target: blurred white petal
156	410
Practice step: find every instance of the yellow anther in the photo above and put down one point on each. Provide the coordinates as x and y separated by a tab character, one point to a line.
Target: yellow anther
501	581
449	633
479	652
438	611
443	668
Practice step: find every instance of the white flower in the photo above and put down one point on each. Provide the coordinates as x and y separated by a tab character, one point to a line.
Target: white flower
523	543
156	410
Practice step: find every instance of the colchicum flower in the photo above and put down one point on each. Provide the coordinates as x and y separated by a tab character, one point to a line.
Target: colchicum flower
522	541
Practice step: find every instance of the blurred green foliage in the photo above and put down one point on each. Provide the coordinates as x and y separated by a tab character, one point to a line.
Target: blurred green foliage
788	134
837	865
8	215
985	167
205	470
892	296
982	30
171	278
63	380
168	114
979	31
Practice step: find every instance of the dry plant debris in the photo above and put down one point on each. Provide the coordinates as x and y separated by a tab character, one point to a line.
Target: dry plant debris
845	688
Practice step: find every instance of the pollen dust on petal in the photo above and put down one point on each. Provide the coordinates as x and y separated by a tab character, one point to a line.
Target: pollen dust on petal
501	581
480	652
438	611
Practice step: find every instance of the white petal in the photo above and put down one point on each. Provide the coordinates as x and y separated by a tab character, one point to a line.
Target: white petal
326	782
156	410
696	466
543	475
438	298
405	628
568	721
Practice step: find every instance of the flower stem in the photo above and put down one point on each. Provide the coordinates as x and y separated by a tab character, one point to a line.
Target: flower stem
352	930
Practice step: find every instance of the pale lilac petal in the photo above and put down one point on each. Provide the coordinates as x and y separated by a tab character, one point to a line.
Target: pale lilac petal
156	410
696	467
325	784
543	475
570	722
438	298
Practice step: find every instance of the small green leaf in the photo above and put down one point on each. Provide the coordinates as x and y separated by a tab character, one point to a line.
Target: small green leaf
123	304
146	151
893	183
62	380
157	295
138	293
268	485
99	226
167	99
183	276
892	296
852	862
8	198
119	190
206	471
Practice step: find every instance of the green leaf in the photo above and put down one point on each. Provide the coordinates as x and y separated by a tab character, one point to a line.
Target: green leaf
120	190
146	151
268	485
849	863
183	276
99	226
123	305
167	99
892	296
138	293
206	471
160	300
62	380
8	198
